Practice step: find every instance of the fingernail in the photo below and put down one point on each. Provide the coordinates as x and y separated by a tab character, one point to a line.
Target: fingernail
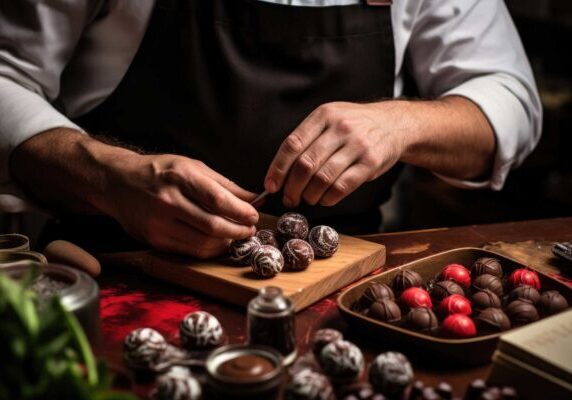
288	202
253	219
270	185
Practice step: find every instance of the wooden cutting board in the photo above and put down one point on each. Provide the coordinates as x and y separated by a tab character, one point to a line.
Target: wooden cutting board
222	279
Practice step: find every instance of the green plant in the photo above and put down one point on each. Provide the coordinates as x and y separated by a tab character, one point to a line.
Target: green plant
44	353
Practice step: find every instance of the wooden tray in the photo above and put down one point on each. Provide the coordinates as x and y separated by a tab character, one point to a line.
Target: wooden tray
472	351
223	279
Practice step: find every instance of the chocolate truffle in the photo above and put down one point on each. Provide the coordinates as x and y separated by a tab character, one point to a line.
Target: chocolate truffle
298	255
375	291
416	390
455	304
475	389
241	250
489	282
385	310
457	273
200	330
322	338
342	361
404	279
524	293
492	320
267	261
552	302
268	237
143	348
324	240
523	276
356	391
390	373
292	226
485	299
422	319
309	385
415	297
443	289
445	390
176	388
458	326
521	312
486	265
430	394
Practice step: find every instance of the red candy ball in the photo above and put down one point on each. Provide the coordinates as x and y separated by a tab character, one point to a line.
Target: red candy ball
458	326
457	273
522	277
415	297
455	304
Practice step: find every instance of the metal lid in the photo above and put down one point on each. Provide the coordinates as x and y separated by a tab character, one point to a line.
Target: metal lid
271	300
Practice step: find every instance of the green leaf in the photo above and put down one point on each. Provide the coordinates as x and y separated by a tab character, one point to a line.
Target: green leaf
54	346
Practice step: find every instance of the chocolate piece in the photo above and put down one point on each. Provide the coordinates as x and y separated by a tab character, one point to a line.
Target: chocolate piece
458	326
457	273
430	394
492	320
523	276
405	279
142	348
267	261
385	310
524	293
443	289
416	390
342	361
455	304
324	240
521	312
298	255
268	237
390	373
241	250
445	390
422	319
489	282
176	388
486	265
245	367
485	299
200	330
415	297
475	389
322	338
552	302
508	393
375	291
492	393
292	226
309	385
357	391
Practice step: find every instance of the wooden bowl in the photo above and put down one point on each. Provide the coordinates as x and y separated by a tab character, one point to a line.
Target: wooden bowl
472	351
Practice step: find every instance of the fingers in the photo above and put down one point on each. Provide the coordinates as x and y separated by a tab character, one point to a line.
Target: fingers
229	185
346	183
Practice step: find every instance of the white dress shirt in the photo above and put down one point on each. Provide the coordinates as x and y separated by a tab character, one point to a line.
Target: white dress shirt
77	51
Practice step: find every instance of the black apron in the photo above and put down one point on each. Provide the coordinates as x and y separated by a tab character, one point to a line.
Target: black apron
226	81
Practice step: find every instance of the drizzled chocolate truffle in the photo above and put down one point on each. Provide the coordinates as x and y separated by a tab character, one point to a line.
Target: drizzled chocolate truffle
486	265
385	310
492	320
143	348
357	391
298	255
292	226
322	338
375	291
524	293
268	237
405	279
267	261
390	373
490	282
521	312
552	302
177	388
485	299
324	240
443	289
309	385
342	361
241	250
422	319
200	330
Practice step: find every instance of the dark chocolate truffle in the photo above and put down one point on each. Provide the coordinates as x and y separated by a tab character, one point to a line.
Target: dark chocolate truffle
324	240
292	226
486	265
552	302
490	282
322	338
342	361
268	237
485	299
524	293
385	310
298	255
443	289
200	330
375	291
475	389
430	394
492	320
143	348
422	319
405	279
445	390
521	312
309	385
177	388
267	261
241	250
356	391
390	373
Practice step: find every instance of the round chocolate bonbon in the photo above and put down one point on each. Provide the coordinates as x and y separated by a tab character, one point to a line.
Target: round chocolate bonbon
356	391
324	240
524	276
200	330
443	289
488	282
552	302
298	255
177	388
457	273
268	237
322	338
292	226
390	373
241	250
375	291
143	348
524	293
486	265
422	319
492	320
485	299
405	279
458	326
385	310
415	297
521	312
267	261
309	385
455	304
342	361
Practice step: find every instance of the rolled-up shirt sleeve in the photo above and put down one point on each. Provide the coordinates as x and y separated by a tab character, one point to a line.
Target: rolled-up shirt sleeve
471	48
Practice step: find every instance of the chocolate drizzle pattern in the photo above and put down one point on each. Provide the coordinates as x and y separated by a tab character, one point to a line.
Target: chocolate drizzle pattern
200	329
267	261
143	348
324	240
309	385
342	359
241	250
177	388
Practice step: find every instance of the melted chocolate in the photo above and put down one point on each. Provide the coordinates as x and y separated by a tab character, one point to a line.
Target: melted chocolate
245	367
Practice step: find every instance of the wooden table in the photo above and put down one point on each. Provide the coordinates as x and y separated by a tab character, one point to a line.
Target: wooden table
129	301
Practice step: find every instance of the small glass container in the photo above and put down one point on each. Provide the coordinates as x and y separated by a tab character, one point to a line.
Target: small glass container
14	242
